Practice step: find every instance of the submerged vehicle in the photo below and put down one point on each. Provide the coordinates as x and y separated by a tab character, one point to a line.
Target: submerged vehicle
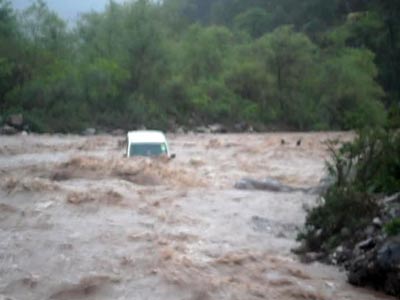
147	143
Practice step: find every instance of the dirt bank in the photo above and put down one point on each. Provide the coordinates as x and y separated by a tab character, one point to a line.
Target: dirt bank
77	221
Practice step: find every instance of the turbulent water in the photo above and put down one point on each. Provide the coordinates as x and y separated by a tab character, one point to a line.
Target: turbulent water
79	221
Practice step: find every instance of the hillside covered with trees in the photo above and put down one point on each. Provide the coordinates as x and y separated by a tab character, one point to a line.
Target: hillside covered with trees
288	64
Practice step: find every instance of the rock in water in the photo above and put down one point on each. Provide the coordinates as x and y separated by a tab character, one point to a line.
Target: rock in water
217	128
8	130
118	132
89	131
202	129
180	130
240	127
268	184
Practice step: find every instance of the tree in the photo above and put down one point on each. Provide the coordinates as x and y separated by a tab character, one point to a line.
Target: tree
290	58
44	29
8	42
350	96
256	21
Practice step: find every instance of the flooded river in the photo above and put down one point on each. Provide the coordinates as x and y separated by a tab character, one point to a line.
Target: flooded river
79	221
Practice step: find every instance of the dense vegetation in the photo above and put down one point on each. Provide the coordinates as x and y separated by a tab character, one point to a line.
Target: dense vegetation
364	171
311	64
357	222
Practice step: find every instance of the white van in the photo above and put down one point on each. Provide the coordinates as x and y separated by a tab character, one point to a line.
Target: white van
147	143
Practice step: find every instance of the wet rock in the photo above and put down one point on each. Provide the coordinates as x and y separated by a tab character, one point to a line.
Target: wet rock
8	130
89	131
253	184
261	224
377	222
217	128
202	129
310	257
268	184
31	281
259	128
16	121
240	127
361	270
388	257
281	234
341	255
118	132
378	267
366	244
180	130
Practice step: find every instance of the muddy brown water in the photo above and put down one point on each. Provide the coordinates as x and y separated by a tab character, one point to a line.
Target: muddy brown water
78	221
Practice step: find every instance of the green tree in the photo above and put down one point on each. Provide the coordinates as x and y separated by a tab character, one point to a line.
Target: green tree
350	96
44	29
290	59
256	21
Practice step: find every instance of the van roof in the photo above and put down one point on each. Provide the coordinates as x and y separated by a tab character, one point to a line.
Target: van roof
146	136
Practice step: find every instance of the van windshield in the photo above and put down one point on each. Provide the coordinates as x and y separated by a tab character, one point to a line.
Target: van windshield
150	149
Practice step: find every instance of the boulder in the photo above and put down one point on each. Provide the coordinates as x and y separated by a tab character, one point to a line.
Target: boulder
16	121
377	222
202	129
388	257
8	130
366	244
362	270
217	128
341	255
180	130
311	257
118	132
240	127
378	267
89	131
268	184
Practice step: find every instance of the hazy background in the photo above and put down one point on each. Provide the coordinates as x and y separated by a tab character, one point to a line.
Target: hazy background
70	9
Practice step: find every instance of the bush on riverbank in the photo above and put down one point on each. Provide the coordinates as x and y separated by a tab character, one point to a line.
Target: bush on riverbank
355	220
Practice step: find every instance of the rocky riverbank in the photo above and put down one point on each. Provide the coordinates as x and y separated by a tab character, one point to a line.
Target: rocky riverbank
371	255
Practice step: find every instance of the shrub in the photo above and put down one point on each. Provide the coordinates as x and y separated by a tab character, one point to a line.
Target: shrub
362	170
393	227
342	207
